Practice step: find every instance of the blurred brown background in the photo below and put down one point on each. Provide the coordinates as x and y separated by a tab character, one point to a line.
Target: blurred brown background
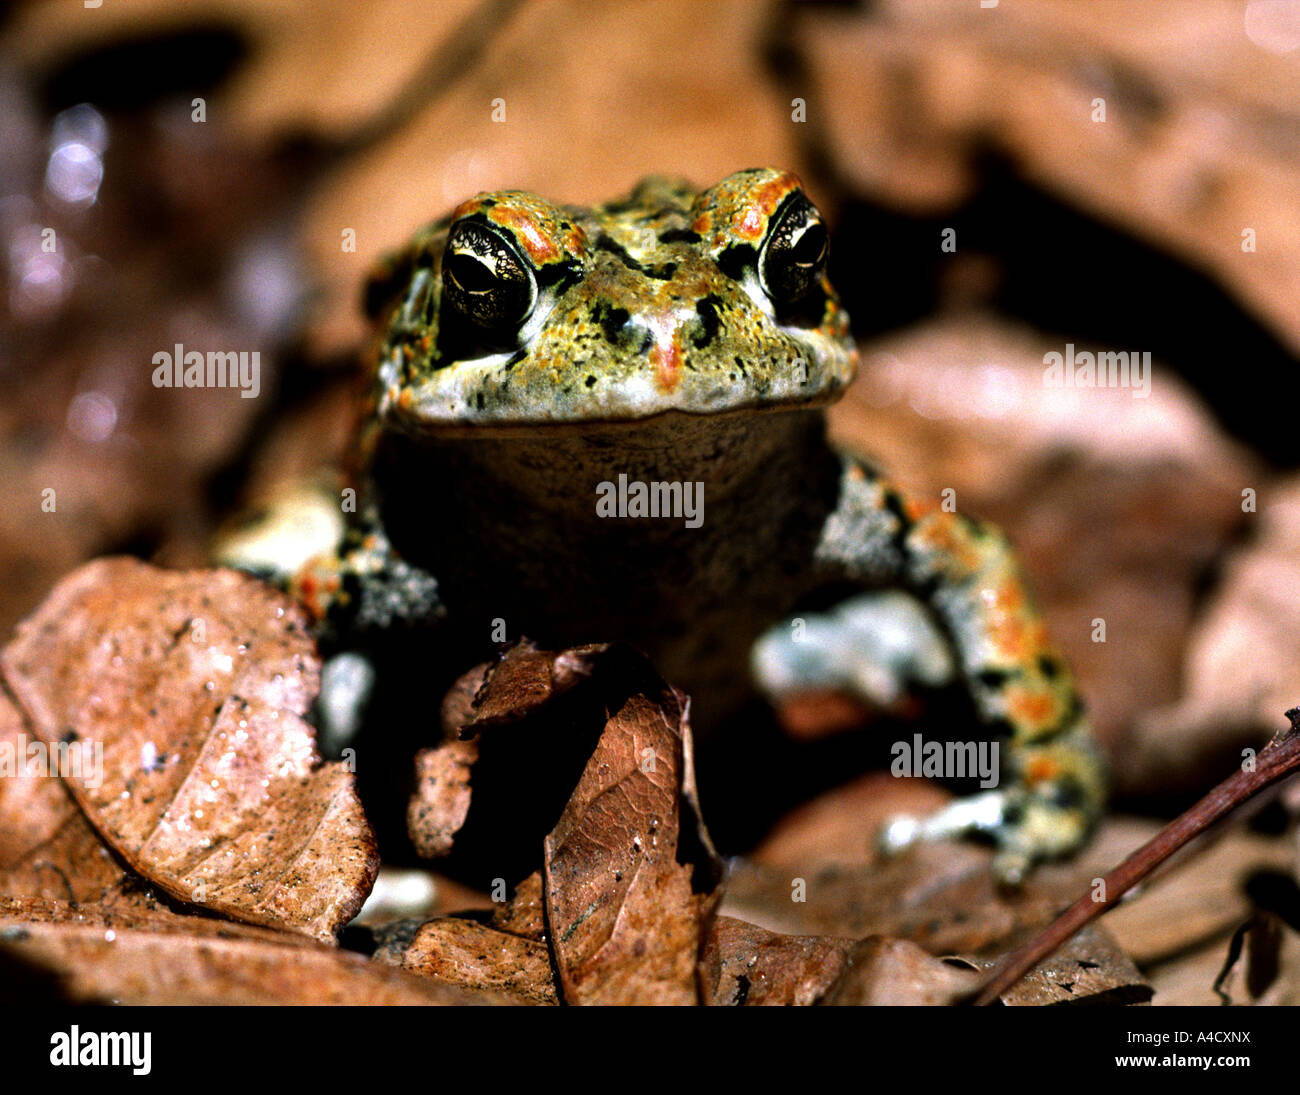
1120	174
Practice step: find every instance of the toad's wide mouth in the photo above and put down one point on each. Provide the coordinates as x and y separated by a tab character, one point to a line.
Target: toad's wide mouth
501	393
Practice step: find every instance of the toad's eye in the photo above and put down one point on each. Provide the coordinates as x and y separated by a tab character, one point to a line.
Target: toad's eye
485	279
794	253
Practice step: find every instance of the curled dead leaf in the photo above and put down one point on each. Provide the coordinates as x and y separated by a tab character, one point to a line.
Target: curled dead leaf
521	682
631	877
525	678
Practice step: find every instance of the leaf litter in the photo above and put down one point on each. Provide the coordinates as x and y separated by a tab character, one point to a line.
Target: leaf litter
208	854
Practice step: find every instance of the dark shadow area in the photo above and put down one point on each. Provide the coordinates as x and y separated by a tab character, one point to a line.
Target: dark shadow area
137	72
1062	271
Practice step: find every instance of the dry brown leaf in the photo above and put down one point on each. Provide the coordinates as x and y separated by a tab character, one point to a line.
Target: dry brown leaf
522	680
194	684
1257	967
73	865
1196	901
441	799
144	915
625	915
894	972
525	913
55	868
454	951
1089	969
1241	662
33	807
47	848
942	899
86	962
940	896
913	89
744	964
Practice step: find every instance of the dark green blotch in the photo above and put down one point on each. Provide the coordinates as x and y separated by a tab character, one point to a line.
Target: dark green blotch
610	320
707	309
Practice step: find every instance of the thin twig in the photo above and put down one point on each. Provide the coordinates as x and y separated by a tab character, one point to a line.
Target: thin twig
1276	760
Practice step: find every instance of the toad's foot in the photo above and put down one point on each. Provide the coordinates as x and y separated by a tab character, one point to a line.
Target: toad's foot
1045	813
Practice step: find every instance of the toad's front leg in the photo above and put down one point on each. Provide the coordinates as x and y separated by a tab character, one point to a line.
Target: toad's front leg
347	574
342	568
1053	784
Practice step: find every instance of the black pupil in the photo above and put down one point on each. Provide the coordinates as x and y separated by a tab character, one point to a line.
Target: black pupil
472	274
812	244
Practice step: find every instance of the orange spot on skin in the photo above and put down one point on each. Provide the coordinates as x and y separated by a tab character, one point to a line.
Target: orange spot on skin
751	222
540	247
666	357
1008	635
316	595
1041	770
943	534
1008	597
916	508
1014	632
473	205
1033	709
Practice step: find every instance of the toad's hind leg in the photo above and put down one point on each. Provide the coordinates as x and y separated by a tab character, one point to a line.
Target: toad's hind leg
1052	780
